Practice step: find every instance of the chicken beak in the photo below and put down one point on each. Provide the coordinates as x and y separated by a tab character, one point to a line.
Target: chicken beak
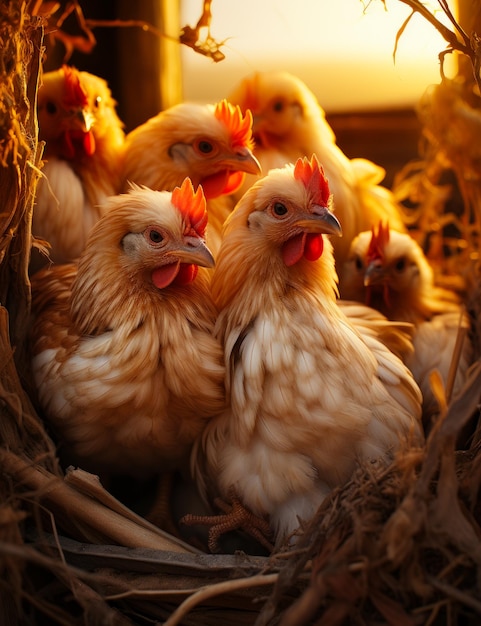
81	119
375	273
195	251
241	160
320	220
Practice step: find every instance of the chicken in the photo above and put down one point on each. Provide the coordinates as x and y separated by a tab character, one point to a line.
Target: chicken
389	271
211	144
84	139
124	360
289	123
309	395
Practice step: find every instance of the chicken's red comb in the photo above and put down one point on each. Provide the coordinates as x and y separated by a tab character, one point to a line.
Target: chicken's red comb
193	206
75	94
311	174
379	240
240	126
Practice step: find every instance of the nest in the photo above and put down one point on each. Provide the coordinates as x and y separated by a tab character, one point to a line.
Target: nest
398	544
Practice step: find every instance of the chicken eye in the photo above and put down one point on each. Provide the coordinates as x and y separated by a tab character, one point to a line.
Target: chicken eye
279	209
97	102
154	236
400	265
51	108
205	147
278	106
358	262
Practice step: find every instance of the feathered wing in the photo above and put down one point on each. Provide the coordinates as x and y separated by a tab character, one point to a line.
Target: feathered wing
63	215
397	336
435	350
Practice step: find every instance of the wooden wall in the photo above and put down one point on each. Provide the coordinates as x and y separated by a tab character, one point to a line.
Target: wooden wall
389	138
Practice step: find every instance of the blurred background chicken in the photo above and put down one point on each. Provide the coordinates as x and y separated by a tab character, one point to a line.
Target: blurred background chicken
126	368
388	270
309	394
211	144
83	138
289	123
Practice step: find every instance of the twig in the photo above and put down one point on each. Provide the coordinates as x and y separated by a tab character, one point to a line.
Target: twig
210	591
456	593
470	45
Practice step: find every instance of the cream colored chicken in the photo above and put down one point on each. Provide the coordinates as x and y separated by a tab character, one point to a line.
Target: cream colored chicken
389	271
309	393
83	138
125	363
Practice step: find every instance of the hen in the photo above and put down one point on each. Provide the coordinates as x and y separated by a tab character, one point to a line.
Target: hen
211	144
83	142
309	394
125	364
289	123
389	271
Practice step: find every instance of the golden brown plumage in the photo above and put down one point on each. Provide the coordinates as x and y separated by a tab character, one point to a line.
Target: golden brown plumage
289	123
211	144
389	271
125	364
309	393
84	138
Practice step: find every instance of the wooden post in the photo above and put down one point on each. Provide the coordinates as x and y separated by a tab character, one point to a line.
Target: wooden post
151	65
469	17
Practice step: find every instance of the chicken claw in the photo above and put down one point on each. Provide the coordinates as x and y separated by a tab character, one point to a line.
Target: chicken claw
235	517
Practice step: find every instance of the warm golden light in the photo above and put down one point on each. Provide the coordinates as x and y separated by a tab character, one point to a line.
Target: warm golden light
342	49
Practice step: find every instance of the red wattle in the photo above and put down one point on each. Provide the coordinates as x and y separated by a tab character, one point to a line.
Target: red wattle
89	143
314	246
307	245
187	274
234	181
174	273
76	143
222	183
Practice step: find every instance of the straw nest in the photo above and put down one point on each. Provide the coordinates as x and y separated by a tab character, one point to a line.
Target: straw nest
397	545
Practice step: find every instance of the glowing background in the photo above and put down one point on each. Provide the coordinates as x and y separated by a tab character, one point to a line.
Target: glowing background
343	52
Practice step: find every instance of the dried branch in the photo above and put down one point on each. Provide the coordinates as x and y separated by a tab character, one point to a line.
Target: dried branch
86	41
464	43
207	46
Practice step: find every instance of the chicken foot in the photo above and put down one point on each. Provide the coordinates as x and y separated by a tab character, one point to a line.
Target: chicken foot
235	516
